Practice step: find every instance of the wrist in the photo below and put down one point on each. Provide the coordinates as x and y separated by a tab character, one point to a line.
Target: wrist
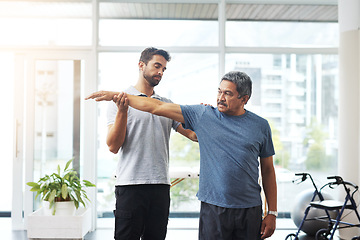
274	213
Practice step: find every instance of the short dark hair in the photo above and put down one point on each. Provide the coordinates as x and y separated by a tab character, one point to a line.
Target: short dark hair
148	53
242	81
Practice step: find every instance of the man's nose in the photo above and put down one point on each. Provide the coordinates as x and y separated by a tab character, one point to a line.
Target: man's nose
221	97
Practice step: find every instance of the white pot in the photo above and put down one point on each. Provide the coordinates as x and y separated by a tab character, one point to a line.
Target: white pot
66	208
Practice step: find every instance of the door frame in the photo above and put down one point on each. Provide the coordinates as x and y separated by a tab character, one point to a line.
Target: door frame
23	155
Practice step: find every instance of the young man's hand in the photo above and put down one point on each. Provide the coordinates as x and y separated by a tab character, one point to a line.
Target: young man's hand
102	96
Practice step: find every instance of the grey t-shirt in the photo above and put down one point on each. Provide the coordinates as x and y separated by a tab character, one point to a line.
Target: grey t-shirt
144	156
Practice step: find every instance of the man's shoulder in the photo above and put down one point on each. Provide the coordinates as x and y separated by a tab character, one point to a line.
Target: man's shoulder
256	118
163	99
132	90
198	109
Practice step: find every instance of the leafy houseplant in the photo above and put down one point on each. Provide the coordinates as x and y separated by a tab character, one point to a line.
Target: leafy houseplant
60	187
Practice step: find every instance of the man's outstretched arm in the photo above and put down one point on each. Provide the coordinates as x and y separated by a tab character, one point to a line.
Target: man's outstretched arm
151	105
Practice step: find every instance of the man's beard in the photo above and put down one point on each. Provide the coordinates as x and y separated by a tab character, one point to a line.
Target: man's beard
152	79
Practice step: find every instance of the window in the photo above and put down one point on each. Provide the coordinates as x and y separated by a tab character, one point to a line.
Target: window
158	33
281	34
46	23
6	128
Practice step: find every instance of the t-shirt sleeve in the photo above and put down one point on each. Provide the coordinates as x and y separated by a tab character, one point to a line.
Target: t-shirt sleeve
267	149
192	115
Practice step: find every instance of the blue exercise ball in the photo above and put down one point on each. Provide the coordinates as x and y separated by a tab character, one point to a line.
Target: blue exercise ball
302	201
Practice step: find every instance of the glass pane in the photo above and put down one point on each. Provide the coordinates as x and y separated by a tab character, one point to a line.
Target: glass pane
25	31
6	129
116	72
189	79
158	33
281	34
42	23
133	28
57	115
46	9
293	93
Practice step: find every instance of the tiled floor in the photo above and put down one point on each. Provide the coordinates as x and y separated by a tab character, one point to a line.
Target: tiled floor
178	229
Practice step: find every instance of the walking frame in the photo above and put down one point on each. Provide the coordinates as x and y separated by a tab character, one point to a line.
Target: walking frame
330	206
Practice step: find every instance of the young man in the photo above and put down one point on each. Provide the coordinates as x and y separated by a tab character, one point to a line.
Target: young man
142	139
231	140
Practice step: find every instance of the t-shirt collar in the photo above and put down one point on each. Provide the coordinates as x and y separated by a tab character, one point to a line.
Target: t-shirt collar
132	90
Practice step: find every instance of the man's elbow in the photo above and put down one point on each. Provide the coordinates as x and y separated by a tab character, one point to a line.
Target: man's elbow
114	149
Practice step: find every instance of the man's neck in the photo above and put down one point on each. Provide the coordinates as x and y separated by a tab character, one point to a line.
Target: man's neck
144	88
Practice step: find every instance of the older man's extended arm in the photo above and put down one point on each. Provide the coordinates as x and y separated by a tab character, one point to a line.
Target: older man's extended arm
154	106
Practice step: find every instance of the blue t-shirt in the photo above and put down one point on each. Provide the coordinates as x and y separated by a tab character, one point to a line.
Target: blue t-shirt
229	150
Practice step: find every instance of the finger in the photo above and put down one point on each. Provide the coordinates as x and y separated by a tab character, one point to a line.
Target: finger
118	100
116	97
262	231
267	232
126	102
91	96
122	99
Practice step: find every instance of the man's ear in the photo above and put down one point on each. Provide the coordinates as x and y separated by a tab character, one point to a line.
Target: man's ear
245	99
141	65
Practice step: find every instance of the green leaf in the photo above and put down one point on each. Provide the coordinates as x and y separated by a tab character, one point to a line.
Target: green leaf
64	191
80	200
52	196
76	203
68	164
57	176
38	194
88	183
35	189
58	169
32	184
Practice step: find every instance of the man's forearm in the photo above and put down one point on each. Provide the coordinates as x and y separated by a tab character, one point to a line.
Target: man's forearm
157	107
116	132
269	182
143	103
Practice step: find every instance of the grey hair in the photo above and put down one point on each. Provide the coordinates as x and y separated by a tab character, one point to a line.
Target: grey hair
241	80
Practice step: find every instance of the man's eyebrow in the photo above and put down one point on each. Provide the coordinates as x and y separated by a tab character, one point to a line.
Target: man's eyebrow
225	91
157	63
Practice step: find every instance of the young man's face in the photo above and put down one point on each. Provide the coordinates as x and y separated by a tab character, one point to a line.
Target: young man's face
228	101
154	70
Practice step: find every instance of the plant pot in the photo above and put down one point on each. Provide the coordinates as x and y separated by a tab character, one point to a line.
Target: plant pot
66	208
59	227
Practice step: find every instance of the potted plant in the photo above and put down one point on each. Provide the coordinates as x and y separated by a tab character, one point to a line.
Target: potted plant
61	187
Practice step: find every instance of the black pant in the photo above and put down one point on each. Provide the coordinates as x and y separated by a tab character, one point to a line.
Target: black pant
218	223
142	211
